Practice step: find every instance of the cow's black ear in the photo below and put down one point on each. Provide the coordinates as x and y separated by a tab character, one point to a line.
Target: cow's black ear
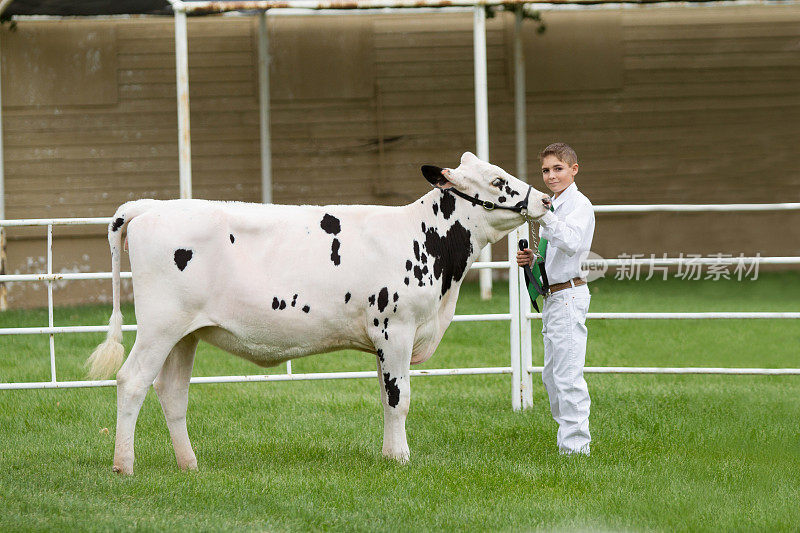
434	176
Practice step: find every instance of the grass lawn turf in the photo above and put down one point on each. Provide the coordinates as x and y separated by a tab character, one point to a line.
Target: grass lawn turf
688	452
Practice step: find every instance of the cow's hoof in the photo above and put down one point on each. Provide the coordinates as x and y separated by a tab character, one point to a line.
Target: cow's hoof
401	457
122	470
191	466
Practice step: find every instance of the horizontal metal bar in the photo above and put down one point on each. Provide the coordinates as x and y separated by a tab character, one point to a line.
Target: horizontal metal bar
61	276
418	373
681	370
688	261
681	316
477	265
60	329
482	318
44	330
460	318
621	208
652	208
269	377
54	221
294	12
209	7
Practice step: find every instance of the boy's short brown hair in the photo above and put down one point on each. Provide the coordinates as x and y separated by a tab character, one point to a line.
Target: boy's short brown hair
562	151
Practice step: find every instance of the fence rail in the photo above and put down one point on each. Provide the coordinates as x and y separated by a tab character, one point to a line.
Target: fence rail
519	314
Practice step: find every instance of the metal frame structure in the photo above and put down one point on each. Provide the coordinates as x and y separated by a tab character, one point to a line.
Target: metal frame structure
519	316
181	9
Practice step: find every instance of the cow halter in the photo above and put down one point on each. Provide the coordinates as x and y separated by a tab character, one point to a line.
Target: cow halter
520	207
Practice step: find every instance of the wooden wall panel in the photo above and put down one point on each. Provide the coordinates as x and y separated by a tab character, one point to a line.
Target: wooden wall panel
673	105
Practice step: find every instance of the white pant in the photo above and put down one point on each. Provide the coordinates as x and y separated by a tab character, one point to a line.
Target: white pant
564	332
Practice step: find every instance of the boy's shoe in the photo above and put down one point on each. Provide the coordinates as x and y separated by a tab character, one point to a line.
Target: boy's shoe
582	451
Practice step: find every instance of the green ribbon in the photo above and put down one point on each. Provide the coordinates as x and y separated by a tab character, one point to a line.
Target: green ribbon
535	269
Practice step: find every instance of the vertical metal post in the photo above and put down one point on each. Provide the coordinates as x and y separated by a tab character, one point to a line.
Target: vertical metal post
482	123
50	302
3	288
514	296
519	98
263	92
526	343
182	74
525	334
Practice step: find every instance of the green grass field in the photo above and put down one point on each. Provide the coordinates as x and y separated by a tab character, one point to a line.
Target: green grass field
694	452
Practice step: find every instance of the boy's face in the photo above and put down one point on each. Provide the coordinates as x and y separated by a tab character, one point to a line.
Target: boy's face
556	174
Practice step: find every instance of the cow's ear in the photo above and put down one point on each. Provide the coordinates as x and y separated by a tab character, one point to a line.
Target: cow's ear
435	177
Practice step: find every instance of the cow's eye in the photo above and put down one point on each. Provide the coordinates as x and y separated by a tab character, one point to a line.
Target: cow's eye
498	182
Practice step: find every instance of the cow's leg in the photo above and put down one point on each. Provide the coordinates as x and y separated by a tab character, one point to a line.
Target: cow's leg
394	360
133	381
172	387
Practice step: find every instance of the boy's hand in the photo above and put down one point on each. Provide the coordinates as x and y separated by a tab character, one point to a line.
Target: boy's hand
525	257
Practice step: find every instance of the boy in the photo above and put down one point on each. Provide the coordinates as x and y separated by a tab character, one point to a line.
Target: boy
568	230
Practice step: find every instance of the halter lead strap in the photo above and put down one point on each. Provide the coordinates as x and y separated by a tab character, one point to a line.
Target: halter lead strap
521	207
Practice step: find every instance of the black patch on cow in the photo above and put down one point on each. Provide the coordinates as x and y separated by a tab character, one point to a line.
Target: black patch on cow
380	355
383	299
501	199
395	297
385	323
182	258
423	258
406	281
335	257
275	302
294	300
306	309
346	297
408	264
448	205
435	209
511	192
232	239
375	322
117	224
283	305
422	225
416	250
395	309
450	253
330	224
418	274
392	390
372	300
386	335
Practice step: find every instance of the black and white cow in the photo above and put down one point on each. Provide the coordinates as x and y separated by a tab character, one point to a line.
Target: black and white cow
273	282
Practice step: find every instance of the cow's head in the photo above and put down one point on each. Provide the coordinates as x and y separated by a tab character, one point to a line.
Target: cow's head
486	182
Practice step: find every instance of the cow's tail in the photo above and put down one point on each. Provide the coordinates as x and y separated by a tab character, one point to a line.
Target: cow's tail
107	358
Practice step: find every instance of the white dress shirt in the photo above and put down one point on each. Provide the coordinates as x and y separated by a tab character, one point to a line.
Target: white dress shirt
569	230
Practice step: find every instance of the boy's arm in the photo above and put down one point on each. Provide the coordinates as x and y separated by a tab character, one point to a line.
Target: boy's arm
567	235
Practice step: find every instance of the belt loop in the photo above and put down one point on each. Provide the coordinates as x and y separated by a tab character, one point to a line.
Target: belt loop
572	283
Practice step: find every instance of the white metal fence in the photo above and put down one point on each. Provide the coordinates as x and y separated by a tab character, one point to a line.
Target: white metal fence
519	315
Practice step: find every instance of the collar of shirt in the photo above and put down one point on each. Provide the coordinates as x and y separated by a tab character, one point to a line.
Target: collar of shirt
565	195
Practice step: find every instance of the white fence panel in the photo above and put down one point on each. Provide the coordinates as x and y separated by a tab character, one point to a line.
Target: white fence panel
519	314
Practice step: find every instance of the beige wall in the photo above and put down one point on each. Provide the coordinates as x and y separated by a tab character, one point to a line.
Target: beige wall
668	105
